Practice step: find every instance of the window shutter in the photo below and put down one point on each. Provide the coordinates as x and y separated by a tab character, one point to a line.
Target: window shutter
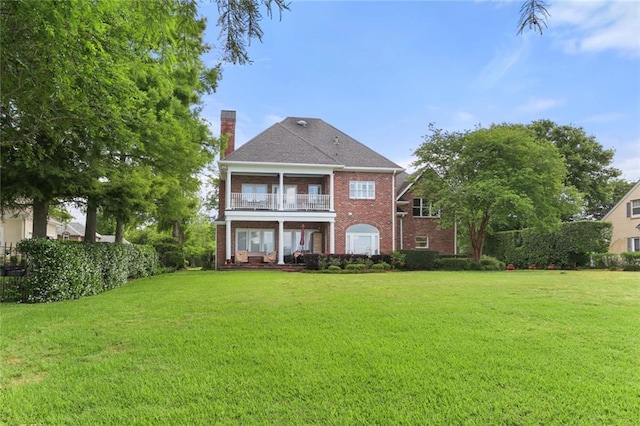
628	209
629	244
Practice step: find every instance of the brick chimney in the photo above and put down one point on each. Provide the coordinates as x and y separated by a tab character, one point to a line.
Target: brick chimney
228	127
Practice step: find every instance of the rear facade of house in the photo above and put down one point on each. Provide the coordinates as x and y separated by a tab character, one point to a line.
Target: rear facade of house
303	186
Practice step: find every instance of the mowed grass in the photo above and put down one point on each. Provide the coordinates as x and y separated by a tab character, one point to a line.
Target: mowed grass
526	347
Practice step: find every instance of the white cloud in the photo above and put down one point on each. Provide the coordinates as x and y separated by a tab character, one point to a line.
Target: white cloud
271	119
465	116
606	117
541	104
627	159
596	26
406	163
503	61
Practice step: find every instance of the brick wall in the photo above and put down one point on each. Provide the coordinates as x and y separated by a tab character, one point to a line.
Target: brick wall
378	212
441	240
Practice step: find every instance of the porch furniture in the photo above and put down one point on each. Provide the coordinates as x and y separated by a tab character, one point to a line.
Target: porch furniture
242	256
271	257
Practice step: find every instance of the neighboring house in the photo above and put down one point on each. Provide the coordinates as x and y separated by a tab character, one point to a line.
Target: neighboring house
304	186
16	225
110	239
75	231
625	217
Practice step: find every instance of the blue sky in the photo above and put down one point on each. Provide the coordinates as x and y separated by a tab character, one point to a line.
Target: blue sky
381	71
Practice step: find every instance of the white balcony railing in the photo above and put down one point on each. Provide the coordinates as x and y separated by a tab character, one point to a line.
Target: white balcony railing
300	202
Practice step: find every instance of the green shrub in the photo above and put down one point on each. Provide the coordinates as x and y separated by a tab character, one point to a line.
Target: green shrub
570	246
489	263
630	261
170	253
398	259
208	260
606	261
323	262
334	268
419	260
355	267
456	264
382	266
63	270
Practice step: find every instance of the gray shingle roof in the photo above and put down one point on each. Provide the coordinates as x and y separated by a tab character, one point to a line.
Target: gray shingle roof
298	140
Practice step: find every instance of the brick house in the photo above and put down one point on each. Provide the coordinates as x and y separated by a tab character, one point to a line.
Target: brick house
304	186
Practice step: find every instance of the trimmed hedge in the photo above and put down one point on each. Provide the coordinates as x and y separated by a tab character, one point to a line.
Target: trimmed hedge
63	270
419	260
630	261
570	246
316	262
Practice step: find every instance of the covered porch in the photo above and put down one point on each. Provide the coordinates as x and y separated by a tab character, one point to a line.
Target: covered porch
279	239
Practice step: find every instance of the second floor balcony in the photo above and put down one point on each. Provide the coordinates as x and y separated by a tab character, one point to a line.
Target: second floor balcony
276	202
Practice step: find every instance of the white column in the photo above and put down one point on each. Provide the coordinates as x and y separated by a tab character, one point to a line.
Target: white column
393	211
331	193
227	191
455	235
401	234
281	241
281	194
228	240
332	236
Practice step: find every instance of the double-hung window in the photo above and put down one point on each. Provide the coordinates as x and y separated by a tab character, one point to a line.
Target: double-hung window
362	190
633	244
422	242
635	208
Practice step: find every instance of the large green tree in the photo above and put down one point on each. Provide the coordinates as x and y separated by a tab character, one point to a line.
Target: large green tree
589	168
59	92
86	84
493	176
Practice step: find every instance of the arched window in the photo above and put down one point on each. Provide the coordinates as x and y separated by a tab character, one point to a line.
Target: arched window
363	239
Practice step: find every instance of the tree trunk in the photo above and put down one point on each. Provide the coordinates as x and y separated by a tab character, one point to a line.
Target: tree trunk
176	231
477	237
40	218
91	227
119	231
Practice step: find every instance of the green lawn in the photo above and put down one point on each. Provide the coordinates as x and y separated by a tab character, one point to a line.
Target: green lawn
526	347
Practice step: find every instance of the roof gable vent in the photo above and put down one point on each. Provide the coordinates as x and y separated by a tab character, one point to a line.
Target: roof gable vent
302	123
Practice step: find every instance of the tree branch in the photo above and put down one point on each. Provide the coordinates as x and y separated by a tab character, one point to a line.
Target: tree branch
533	14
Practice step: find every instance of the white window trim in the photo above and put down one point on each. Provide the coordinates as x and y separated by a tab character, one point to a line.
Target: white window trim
374	246
250	192
263	247
422	207
362	190
419	246
635	204
631	244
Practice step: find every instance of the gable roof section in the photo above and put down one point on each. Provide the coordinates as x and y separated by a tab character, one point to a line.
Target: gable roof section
297	140
622	200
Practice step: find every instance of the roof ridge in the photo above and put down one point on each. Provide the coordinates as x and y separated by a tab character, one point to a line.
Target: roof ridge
357	141
306	141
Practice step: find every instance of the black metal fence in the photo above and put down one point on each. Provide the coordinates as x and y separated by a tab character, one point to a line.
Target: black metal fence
13	272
